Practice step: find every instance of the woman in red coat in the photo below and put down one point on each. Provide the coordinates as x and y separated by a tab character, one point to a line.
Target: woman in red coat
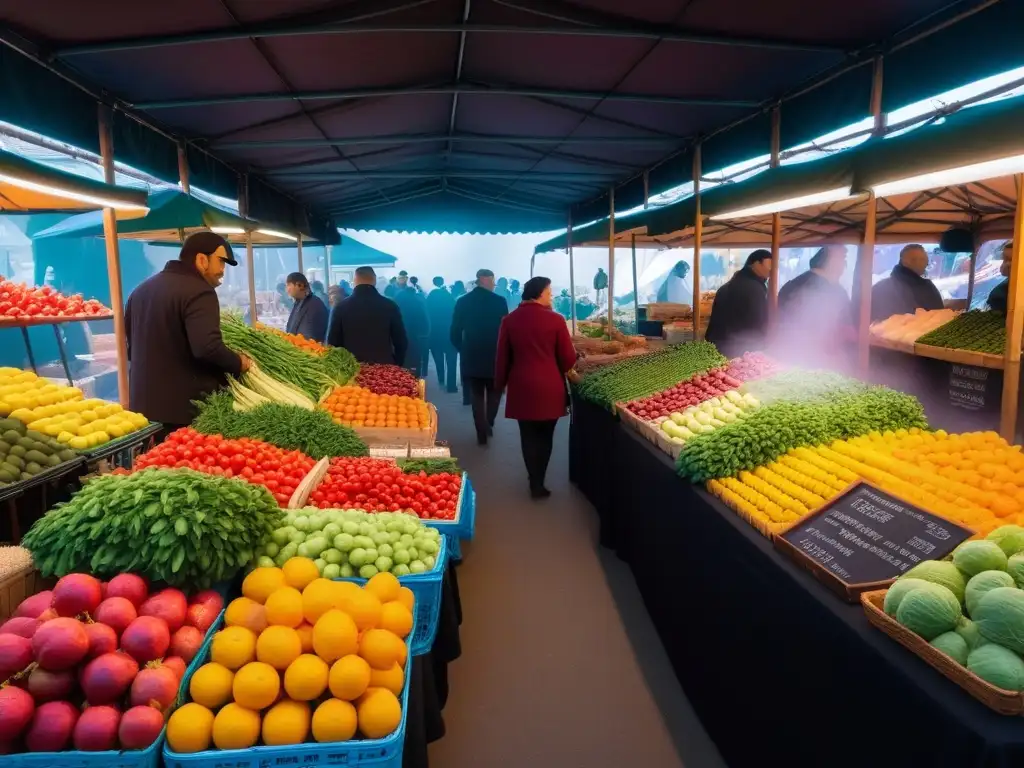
534	355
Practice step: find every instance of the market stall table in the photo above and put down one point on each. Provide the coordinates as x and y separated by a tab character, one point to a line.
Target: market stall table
778	669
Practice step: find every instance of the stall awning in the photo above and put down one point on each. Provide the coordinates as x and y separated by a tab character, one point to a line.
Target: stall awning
352	253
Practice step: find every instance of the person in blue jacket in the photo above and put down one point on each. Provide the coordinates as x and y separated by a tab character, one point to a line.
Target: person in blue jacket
309	314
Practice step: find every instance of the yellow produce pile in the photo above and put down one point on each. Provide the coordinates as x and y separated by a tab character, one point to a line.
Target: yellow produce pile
975	479
62	413
301	658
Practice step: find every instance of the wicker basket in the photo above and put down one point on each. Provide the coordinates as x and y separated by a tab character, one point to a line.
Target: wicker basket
19	585
1002	701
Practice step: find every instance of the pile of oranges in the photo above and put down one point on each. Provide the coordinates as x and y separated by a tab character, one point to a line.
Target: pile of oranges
354	406
314	347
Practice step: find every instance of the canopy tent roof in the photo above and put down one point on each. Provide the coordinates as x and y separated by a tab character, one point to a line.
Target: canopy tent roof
352	253
172	217
507	112
29	187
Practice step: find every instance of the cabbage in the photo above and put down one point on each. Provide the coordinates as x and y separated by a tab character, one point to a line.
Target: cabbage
968	630
973	557
1015	567
998	666
1010	538
954	646
941	572
980	585
929	612
900	589
1000	617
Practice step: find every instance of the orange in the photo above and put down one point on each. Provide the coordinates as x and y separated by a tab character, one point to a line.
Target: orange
407	598
392	679
233	647
300	571
396	618
261	582
335	635
278	646
306	636
236	727
349	678
382	649
284	607
379	713
211	685
334	720
256	685
243	612
287	722
189	729
306	678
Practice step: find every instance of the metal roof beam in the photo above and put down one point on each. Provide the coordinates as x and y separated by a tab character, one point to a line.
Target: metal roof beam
462	138
597	178
448	89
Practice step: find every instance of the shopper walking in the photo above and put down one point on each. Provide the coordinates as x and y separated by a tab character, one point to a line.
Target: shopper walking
535	354
308	316
367	324
440	308
474	333
458	291
417	327
739	315
172	325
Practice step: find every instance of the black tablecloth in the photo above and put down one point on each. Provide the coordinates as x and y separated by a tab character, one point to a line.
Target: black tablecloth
779	670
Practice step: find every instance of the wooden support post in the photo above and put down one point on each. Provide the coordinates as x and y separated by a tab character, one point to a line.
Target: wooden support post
186	187
327	262
611	258
636	288
865	262
773	279
572	276
698	232
298	249
114	258
1014	323
876	97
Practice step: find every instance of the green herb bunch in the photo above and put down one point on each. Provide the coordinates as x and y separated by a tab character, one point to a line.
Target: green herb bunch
429	466
976	331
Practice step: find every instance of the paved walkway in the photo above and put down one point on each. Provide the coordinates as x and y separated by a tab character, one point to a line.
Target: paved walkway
561	667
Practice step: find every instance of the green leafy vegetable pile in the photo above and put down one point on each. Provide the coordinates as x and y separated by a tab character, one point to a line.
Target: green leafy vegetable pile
182	527
429	466
286	426
774	429
976	331
796	385
644	375
341	365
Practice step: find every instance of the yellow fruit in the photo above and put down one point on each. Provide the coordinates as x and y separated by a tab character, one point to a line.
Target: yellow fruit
392	679
284	607
233	647
243	612
334	720
189	729
350	677
306	636
320	596
278	646
260	583
407	598
211	685
396	618
385	586
335	635
379	713
236	727
287	722
299	572
78	443
306	678
382	649
363	607
256	685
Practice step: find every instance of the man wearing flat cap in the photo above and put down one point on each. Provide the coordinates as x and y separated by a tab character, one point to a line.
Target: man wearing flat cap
172	324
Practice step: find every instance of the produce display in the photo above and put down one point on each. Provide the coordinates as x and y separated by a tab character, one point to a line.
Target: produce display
25	453
354	406
188	529
313	433
308	345
301	658
901	331
710	414
352	542
278	470
752	365
977	331
805	386
379	485
689	393
254	388
644	375
94	666
21	302
388	380
972	607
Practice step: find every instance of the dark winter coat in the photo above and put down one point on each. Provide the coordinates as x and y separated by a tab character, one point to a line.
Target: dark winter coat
176	352
440	308
369	326
309	318
413	307
534	354
739	316
474	332
901	293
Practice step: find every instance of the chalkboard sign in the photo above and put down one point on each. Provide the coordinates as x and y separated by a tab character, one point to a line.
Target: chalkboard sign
864	538
974	389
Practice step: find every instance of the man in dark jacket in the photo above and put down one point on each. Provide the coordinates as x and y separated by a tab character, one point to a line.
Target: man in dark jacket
474	333
172	325
367	324
815	314
906	289
309	315
739	316
999	296
440	308
413	307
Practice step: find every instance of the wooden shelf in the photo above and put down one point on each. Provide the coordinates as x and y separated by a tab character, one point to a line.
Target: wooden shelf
960	356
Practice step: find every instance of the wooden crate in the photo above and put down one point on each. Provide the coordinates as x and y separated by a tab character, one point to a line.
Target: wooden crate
19	585
648	431
309	482
417	438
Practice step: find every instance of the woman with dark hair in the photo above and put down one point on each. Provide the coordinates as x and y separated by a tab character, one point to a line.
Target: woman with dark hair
534	355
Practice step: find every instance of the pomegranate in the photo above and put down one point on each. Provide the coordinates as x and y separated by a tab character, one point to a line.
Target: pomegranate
177	665
106	678
102	639
52	727
60	644
16	708
15	654
20	625
169	605
146	638
140	727
203	609
185	643
116	612
46	686
154	687
96	729
129	586
77	593
35	605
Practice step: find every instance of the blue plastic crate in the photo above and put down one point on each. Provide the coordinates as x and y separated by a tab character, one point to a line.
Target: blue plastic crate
463	527
376	753
136	758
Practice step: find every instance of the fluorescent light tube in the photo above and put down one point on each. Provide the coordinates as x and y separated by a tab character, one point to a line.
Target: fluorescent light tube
46	189
953	176
827	196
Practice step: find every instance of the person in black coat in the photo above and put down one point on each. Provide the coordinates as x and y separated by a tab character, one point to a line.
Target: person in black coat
440	308
739	316
417	327
367	324
999	296
906	289
309	315
815	313
172	326
474	333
